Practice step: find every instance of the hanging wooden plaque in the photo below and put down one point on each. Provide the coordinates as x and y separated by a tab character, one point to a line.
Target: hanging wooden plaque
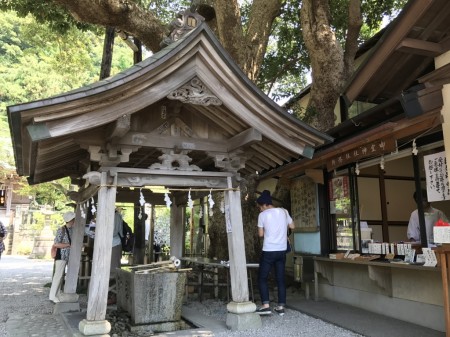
368	150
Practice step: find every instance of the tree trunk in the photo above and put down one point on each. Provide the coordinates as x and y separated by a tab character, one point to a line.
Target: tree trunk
330	67
247	49
137	55
108	46
216	227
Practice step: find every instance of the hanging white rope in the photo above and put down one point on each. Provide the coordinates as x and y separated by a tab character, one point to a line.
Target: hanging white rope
414	149
141	198
211	203
83	214
167	200
200	212
93	209
190	201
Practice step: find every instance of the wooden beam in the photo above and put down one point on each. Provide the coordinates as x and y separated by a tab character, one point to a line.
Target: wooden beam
267	154
420	47
315	175
259	162
170	142
437	77
133	177
245	138
400	130
386	47
119	128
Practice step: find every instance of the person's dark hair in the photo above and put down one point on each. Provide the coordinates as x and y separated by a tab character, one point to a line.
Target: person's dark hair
264	198
424	196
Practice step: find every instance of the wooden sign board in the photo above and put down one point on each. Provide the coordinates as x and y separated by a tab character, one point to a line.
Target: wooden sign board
368	150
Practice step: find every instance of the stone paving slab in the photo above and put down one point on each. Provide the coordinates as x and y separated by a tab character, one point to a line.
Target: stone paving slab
36	325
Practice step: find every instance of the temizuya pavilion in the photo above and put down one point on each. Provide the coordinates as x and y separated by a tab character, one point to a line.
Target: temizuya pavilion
186	117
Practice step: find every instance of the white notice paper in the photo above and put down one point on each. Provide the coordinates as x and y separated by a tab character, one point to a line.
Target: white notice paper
430	257
437	178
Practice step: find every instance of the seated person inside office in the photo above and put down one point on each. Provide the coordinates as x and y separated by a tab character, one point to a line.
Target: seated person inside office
431	215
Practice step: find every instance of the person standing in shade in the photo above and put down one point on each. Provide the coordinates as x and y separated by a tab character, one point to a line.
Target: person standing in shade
62	243
431	215
273	225
3	233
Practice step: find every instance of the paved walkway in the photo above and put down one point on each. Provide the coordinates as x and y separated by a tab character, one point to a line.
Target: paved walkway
26	312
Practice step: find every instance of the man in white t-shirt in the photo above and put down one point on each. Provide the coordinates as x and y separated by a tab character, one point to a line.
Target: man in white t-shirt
431	215
273	224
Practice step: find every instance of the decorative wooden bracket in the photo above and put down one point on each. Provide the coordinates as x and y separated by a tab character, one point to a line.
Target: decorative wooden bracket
113	156
169	158
231	162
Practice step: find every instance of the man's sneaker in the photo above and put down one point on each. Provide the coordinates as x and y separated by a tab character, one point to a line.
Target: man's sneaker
263	311
279	310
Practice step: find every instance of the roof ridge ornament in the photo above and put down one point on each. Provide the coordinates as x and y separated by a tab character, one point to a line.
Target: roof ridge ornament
195	92
183	24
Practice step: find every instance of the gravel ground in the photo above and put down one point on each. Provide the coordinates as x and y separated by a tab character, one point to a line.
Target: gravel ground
292	324
22	290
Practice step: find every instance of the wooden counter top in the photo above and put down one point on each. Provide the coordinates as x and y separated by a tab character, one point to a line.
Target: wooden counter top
378	263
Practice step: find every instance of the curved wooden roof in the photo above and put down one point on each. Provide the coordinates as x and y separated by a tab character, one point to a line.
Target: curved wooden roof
405	52
189	98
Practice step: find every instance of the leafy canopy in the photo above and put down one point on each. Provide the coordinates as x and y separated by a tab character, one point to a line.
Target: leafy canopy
286	65
37	62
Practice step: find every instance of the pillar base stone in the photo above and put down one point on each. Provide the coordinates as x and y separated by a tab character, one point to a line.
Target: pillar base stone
62	307
94	328
63	297
241	307
242	316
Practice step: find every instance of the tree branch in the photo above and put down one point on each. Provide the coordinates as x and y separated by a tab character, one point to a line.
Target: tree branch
351	41
121	14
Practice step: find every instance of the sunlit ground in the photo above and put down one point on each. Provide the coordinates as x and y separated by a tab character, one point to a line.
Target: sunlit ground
22	288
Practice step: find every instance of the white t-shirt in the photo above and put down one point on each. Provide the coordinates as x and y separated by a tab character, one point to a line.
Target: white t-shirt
275	222
431	217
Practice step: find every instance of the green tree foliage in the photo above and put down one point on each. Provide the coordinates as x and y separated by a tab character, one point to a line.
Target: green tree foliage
162	224
37	62
54	194
44	12
374	12
287	61
165	9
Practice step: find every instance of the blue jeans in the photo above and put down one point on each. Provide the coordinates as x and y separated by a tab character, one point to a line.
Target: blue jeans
266	262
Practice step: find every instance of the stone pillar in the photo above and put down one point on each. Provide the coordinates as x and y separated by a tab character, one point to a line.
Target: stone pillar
95	323
241	312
